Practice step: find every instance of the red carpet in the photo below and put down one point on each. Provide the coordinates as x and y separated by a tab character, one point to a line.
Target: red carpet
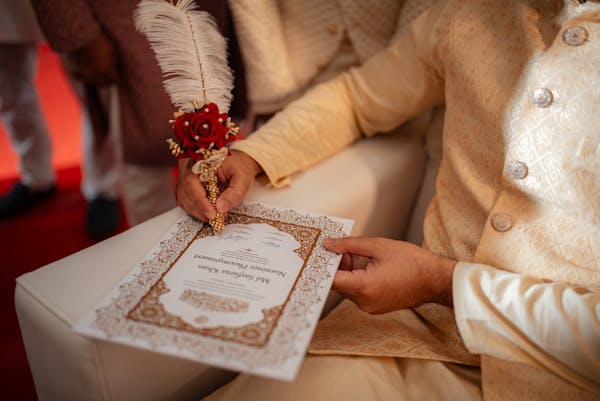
51	231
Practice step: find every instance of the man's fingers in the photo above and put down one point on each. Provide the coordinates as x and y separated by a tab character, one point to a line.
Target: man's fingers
234	193
197	195
346	262
186	204
193	196
189	205
359	262
349	283
362	246
237	172
352	262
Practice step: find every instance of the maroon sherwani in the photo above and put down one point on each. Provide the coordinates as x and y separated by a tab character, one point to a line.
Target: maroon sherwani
145	108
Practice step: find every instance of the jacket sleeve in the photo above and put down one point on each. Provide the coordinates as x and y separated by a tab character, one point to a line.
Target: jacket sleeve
67	24
521	319
395	85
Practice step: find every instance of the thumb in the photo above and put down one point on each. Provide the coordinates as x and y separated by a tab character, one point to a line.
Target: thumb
228	199
363	246
349	283
234	194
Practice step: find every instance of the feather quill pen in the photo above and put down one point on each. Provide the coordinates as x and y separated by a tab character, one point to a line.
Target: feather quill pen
192	55
190	51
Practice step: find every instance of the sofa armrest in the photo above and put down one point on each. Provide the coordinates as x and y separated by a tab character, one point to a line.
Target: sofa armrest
373	182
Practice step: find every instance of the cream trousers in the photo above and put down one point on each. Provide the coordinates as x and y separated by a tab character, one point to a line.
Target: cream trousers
348	378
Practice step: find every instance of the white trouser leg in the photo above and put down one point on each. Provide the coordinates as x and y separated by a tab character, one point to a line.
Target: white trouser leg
101	159
147	192
22	114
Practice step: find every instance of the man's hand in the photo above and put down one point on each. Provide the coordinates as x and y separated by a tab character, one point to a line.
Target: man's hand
95	63
382	275
236	174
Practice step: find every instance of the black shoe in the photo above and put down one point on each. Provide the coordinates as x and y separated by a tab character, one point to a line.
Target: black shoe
103	217
20	198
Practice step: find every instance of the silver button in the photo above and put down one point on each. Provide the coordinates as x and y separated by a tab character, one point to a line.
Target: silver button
501	222
542	97
517	170
575	35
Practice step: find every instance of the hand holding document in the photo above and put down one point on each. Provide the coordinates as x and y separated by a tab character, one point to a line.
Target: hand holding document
247	299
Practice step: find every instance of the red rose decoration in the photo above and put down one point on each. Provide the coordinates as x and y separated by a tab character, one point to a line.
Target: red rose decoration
202	129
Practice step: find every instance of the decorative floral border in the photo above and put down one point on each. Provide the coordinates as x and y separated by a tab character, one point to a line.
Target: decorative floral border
150	310
294	318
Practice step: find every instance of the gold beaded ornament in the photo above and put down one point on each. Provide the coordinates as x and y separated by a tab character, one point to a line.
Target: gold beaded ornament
203	135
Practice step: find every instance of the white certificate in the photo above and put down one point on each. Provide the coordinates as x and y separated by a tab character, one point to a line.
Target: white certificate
247	299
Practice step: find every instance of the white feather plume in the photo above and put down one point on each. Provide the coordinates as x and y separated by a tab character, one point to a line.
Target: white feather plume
190	51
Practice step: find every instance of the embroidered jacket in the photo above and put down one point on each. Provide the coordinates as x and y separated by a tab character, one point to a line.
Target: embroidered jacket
518	192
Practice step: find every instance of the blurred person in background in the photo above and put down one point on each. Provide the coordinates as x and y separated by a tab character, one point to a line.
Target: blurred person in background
24	122
20	107
101	48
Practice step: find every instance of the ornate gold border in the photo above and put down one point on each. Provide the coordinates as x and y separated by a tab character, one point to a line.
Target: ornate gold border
295	319
151	311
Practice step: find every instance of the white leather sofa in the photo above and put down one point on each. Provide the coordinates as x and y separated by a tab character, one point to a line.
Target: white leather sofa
374	182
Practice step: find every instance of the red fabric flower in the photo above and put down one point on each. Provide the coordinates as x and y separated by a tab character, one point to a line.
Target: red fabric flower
201	129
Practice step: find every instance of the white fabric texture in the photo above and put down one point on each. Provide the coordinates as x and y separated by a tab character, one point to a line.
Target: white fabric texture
516	317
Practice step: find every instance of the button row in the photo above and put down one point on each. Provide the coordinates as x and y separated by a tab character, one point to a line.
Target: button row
572	36
542	98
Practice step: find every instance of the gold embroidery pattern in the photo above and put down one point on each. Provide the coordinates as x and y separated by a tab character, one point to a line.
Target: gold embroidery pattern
254	334
170	332
152	311
213	303
427	332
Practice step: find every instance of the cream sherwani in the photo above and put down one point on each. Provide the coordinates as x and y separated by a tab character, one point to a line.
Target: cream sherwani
290	45
518	192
